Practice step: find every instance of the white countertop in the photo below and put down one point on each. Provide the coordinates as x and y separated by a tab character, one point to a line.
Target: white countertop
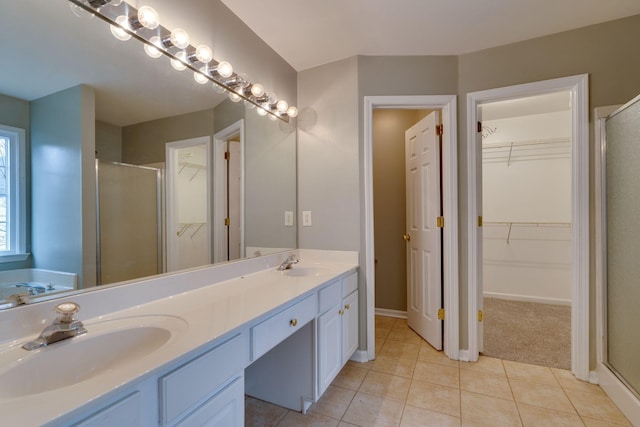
208	313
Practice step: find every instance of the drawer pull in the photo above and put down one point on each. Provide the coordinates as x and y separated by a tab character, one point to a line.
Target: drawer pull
347	306
294	322
341	312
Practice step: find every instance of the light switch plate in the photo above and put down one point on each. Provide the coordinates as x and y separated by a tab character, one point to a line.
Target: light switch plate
288	218
306	218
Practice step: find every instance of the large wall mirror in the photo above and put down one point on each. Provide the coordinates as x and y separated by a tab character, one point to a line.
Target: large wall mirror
130	168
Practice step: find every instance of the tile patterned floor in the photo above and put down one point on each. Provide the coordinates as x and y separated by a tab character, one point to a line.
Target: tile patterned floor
410	384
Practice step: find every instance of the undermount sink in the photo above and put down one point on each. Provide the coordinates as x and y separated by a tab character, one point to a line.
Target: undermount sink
107	345
304	271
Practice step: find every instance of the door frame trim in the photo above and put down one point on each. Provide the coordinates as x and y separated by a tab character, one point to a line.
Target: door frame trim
448	105
578	86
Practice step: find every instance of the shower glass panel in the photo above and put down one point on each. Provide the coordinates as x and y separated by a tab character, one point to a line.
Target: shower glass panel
623	242
129	221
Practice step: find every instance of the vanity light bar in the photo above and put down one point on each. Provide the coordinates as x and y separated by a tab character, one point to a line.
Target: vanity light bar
143	24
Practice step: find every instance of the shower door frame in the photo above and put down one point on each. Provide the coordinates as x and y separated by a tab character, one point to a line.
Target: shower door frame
615	388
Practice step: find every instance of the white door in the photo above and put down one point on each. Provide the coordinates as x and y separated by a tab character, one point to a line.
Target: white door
424	237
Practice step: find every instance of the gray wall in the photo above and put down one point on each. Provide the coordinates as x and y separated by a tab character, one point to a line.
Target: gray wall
108	142
270	185
606	51
63	182
15	112
328	174
144	143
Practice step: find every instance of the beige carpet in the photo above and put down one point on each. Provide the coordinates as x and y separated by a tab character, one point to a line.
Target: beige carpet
527	332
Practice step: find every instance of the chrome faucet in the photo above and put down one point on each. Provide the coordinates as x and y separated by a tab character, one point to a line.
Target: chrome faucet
15	300
62	328
287	263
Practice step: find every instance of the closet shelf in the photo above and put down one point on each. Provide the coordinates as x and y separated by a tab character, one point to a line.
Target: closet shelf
184	226
552	148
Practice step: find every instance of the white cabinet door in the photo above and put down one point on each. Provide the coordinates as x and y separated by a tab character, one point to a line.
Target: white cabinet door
349	326
329	347
225	409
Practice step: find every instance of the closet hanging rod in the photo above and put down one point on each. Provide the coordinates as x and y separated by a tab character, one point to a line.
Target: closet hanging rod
537	224
508	144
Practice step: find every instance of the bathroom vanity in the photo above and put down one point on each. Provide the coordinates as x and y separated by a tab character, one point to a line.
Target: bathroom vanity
189	357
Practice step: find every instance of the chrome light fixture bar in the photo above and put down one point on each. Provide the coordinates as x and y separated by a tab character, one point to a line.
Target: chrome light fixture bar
143	24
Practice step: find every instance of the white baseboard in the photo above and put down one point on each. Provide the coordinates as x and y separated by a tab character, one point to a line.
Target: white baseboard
593	377
391	313
526	298
621	396
361	356
463	355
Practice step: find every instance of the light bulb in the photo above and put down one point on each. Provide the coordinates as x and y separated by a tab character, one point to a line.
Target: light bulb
118	31
292	111
148	17
225	69
257	90
179	64
179	38
153	49
282	106
249	105
234	97
272	117
261	111
200	77
218	88
204	53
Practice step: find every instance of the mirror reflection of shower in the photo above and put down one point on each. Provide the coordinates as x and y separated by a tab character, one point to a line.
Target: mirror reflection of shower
129	219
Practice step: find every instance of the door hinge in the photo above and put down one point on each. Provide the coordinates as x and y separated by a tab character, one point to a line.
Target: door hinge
441	314
480	221
440	222
227	222
479	315
479	127
439	130
227	155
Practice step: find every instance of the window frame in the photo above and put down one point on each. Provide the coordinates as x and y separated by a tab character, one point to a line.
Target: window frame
17	210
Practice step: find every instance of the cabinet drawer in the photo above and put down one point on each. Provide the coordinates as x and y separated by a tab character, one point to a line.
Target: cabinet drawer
196	380
123	413
225	409
272	331
329	296
349	284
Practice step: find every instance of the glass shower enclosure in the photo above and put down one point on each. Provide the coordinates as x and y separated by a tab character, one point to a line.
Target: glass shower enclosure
129	217
622	198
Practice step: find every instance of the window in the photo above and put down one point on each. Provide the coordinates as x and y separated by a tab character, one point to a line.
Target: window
12	194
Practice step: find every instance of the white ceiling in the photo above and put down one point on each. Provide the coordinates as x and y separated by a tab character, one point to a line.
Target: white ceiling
309	33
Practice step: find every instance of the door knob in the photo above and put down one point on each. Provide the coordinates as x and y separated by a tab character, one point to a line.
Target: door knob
406	237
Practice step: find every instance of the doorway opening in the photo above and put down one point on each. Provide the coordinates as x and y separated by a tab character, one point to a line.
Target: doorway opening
228	214
188	203
577	87
526	245
447	106
407	205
